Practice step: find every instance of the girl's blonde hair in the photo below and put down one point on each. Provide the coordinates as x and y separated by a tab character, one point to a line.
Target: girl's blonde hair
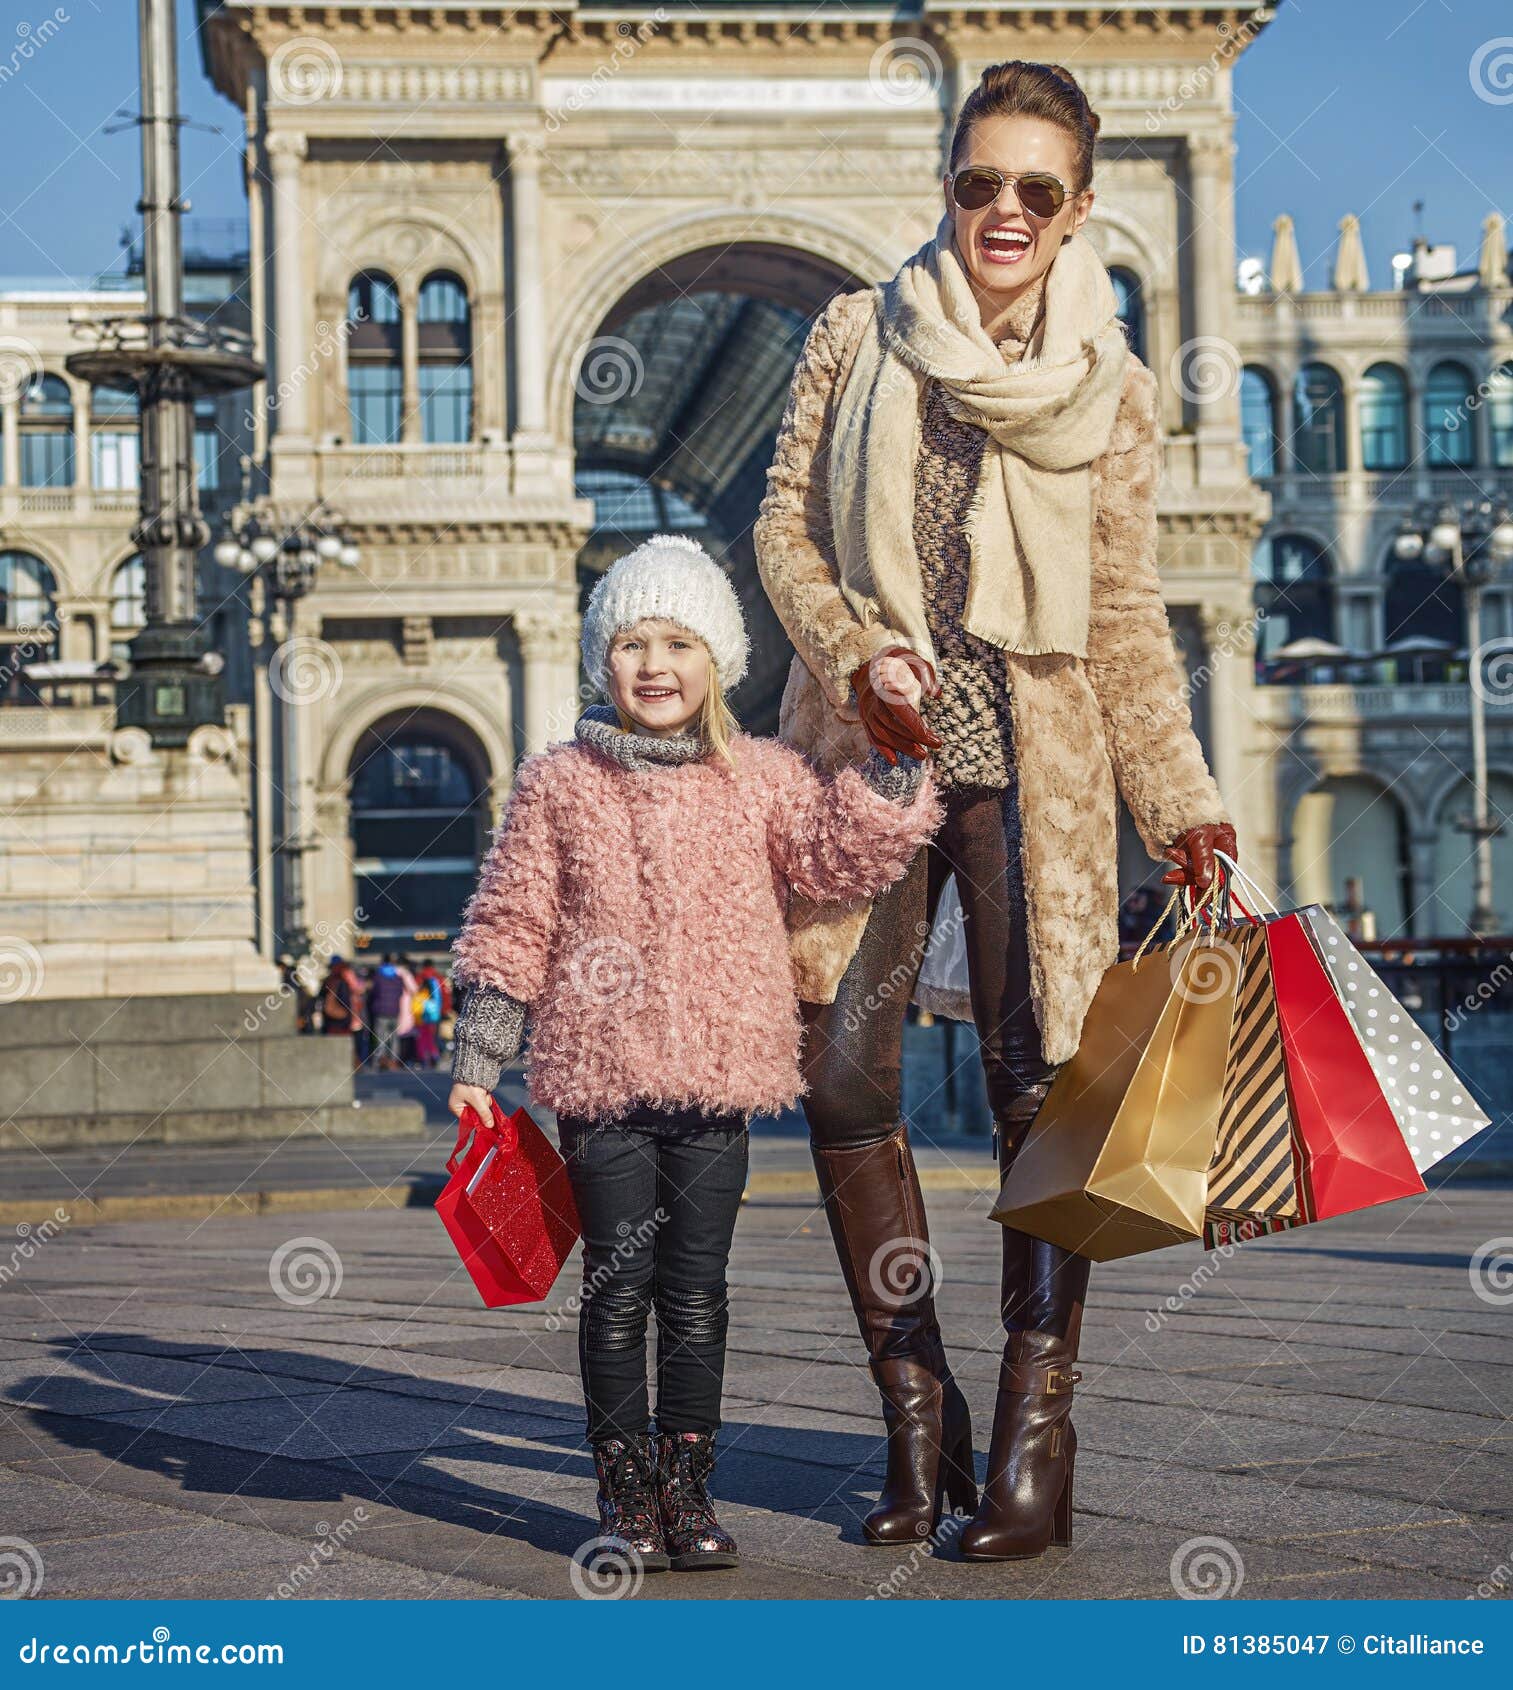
717	721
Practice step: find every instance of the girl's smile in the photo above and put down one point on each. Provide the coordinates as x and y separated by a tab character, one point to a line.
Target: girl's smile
659	676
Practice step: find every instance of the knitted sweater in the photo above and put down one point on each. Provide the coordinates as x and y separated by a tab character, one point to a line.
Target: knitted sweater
971	713
634	900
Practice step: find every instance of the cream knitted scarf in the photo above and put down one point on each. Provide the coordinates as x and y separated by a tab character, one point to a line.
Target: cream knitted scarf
1047	418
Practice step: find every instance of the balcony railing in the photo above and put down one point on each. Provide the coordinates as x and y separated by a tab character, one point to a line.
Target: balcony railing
1285	706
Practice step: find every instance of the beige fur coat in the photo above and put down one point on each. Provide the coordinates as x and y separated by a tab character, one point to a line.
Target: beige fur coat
1081	726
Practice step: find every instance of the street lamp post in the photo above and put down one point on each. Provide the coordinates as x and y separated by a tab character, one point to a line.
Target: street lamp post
1473	542
282	561
167	359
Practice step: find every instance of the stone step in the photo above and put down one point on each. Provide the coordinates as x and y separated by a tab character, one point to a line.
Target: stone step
212	1126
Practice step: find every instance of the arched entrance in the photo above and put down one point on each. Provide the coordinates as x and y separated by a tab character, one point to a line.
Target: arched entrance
679	395
419	816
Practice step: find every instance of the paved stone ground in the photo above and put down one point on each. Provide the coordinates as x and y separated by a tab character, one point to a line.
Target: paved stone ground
1334	1405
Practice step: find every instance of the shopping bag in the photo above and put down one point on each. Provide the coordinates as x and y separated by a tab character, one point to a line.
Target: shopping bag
1434	1110
1254	1175
1353	1152
1349	1152
944	985
1117	1158
508	1207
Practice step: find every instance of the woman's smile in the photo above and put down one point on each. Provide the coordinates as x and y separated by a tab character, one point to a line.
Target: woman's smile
1004	244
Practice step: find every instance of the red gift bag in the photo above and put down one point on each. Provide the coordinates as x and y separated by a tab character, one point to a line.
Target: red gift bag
1350	1149
508	1207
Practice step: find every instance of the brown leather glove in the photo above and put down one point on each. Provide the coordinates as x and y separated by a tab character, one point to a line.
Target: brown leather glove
892	724
1193	852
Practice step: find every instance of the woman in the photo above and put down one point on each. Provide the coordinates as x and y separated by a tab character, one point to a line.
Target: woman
959	534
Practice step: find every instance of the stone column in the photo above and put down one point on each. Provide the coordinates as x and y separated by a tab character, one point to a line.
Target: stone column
1210	180
410	430
1423	910
532	440
84	469
10	421
286	153
1229	636
549	646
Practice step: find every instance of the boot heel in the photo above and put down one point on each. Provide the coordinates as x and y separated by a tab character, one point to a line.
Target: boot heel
958	1479
1061	1523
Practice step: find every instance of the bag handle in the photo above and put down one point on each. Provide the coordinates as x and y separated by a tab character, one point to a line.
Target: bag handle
1263	902
1190	917
499	1129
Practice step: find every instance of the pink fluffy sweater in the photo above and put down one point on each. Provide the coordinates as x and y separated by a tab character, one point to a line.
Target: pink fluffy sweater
640	913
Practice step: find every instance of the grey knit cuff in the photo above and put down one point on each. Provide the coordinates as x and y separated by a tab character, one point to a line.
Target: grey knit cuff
899	781
487	1037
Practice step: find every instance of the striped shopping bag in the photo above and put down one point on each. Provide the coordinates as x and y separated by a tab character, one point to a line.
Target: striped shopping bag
1254	1176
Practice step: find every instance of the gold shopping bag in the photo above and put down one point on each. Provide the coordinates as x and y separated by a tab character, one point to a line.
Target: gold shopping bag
1117	1159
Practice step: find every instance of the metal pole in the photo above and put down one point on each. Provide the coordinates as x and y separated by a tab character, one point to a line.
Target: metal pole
170	531
1483	918
166	360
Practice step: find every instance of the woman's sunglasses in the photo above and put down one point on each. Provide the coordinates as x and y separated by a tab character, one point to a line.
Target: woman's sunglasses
1040	194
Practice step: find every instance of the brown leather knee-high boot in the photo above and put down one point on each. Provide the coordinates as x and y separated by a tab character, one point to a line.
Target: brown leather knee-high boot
1027	1499
877	1218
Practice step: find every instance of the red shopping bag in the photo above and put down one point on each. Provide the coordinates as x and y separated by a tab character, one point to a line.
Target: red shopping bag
508	1207
1350	1149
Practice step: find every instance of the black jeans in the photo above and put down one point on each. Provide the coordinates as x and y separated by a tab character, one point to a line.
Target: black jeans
853	1047
658	1191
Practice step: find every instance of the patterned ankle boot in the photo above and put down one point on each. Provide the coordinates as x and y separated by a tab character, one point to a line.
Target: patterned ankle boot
629	1519
695	1538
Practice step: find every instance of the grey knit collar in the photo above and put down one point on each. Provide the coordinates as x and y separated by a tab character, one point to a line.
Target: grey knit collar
599	727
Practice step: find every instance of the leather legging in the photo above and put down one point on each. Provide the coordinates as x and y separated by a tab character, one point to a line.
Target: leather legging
853	1047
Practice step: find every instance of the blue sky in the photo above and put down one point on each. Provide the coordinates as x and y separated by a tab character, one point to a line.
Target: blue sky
1343	105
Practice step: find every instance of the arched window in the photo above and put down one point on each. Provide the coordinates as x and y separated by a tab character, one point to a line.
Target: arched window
1294	587
1131	307
417	829
128	605
47	434
28	593
1384	418
1500	415
1258	421
113	439
1318	421
446	368
375	370
1449	439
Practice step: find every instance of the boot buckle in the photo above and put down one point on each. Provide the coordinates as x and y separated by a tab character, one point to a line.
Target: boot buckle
1055	1374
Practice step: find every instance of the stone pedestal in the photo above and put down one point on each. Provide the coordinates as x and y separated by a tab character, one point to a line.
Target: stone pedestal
136	1004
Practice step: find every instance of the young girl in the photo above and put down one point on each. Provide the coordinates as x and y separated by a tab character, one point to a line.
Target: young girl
633	903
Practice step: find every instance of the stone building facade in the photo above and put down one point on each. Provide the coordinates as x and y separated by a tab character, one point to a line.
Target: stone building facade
531	284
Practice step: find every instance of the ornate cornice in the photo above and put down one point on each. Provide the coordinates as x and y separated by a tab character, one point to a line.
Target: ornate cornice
238	35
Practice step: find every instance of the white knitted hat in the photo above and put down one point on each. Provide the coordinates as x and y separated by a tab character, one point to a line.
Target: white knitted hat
673	577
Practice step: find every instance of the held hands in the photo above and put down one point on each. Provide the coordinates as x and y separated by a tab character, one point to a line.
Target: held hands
888	692
1193	852
469	1097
